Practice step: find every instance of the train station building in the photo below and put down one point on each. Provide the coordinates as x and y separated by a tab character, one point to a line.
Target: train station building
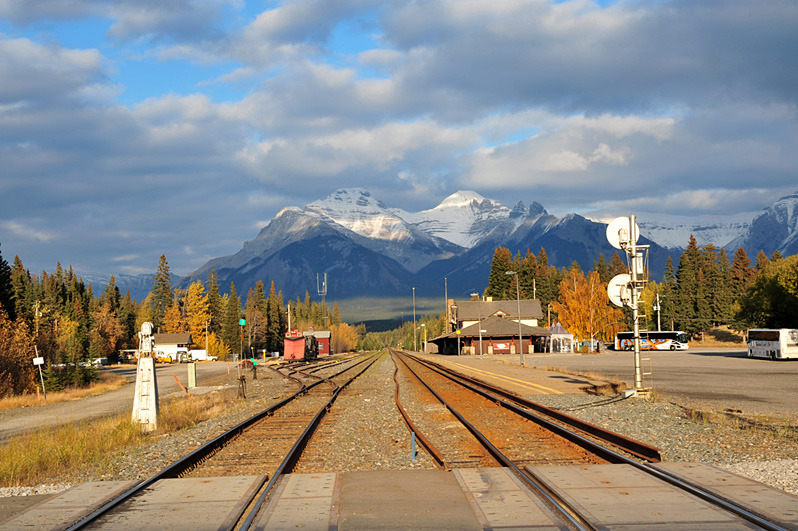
492	327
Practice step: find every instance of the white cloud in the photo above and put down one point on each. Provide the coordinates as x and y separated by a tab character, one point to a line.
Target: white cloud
26	232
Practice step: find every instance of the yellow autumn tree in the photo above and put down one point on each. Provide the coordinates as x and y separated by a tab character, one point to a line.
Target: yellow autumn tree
197	312
583	307
343	338
173	322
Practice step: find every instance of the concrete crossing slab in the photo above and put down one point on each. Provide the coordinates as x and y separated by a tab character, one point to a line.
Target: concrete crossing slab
624	498
773	503
64	509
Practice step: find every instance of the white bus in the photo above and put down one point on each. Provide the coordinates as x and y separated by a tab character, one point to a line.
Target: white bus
773	343
650	340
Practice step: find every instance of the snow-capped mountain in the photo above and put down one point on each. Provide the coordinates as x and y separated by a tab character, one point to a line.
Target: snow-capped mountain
465	218
674	232
370	249
775	228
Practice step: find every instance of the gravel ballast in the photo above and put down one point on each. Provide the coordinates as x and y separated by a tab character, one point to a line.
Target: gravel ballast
368	434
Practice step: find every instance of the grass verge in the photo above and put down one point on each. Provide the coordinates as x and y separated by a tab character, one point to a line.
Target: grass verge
57	452
108	382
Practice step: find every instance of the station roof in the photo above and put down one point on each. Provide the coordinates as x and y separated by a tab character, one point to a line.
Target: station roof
497	327
473	310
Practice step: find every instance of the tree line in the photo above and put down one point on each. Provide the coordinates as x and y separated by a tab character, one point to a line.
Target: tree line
705	290
60	318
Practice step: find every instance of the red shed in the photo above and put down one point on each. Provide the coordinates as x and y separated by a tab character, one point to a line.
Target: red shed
294	348
323	338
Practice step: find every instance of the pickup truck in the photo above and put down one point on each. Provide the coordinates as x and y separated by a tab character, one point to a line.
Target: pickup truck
200	355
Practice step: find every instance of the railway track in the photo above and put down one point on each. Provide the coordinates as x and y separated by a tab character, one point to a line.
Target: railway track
267	444
501	437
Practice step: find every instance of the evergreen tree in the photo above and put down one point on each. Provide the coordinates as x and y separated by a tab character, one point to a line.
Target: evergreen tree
7	302
761	262
499	281
723	301
617	265
548	280
275	331
603	269
527	275
741	273
161	292
111	294
25	298
215	305
667	295
231	332
255	314
687	293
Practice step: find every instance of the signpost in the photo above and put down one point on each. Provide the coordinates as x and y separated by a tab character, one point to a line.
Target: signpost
39	361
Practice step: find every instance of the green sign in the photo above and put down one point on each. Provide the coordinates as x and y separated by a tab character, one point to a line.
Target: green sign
242	322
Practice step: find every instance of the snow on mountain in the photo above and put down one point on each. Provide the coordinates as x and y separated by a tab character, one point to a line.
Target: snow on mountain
465	218
775	228
673	231
357	210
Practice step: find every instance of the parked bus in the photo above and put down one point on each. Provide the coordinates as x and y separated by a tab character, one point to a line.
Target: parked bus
650	340
774	343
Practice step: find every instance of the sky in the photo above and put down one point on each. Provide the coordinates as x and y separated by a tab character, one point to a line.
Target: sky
135	128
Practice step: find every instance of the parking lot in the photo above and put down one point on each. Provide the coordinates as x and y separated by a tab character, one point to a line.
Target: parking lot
720	378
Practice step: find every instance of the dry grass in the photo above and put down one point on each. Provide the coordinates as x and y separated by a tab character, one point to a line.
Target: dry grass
56	452
721	336
108	382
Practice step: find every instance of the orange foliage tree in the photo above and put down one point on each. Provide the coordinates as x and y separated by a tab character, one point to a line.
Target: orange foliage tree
584	308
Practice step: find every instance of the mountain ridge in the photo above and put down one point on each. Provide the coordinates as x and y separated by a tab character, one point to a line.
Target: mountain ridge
370	249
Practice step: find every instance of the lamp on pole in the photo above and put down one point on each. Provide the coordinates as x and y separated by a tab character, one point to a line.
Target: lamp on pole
456	331
518	296
415	335
479	322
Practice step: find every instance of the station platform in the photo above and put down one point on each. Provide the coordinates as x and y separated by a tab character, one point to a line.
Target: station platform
613	496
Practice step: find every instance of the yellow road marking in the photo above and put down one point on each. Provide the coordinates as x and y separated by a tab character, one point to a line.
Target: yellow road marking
508	378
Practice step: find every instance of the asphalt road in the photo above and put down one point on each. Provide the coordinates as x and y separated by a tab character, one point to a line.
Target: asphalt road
724	379
16	421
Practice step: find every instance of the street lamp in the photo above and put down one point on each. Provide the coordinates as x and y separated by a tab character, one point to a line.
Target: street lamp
518	295
415	336
479	322
456	331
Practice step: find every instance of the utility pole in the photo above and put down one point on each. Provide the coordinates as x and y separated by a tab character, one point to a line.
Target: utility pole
415	335
518	297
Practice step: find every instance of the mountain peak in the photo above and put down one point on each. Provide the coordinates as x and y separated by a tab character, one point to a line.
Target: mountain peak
347	198
461	198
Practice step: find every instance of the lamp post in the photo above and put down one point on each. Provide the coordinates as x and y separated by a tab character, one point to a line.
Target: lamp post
415	335
479	322
457	332
518	296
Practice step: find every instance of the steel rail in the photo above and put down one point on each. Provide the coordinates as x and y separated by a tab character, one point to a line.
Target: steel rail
565	510
637	448
189	461
705	493
436	454
290	460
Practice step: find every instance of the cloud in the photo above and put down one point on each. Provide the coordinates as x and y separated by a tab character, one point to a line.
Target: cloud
27	232
568	103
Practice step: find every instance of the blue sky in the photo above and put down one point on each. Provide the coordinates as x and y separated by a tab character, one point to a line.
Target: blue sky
133	128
